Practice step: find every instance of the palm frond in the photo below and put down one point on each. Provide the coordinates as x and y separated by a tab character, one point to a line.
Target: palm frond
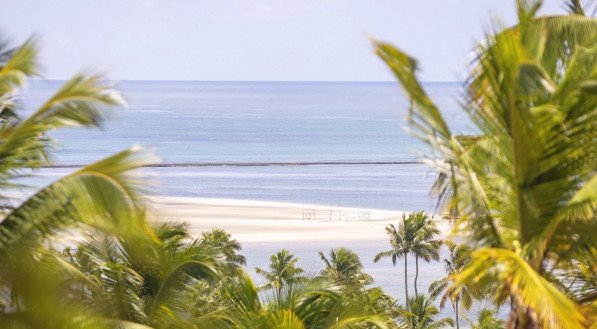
531	290
123	285
16	65
201	267
425	116
576	6
78	103
102	194
82	101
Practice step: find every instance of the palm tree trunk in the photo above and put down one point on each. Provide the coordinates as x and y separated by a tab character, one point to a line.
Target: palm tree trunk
511	323
456	310
406	277
522	318
416	274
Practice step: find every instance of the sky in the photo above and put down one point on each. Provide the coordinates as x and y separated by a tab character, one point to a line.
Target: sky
303	40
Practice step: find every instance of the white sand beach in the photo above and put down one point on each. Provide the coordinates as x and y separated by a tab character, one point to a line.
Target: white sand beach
262	221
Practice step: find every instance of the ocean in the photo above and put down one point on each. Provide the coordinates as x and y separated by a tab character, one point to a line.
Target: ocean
329	143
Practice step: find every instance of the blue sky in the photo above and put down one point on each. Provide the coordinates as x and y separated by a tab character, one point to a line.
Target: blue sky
251	39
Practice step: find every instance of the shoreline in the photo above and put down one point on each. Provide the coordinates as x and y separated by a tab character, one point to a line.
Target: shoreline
252	221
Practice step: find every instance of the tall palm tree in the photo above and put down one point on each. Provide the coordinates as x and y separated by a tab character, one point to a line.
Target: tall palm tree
282	270
459	257
525	184
425	246
402	241
420	313
344	267
102	195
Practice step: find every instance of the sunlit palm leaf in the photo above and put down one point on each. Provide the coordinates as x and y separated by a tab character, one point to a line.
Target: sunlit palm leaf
102	194
526	180
531	289
16	65
24	144
78	102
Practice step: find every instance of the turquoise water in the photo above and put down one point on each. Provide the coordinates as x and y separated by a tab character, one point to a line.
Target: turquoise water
269	123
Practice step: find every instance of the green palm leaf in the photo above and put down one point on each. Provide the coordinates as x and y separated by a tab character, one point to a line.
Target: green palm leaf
102	194
16	65
526	180
78	102
529	287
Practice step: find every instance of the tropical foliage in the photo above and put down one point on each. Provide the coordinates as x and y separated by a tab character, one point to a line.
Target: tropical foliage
100	196
486	320
524	186
121	270
344	267
309	303
142	280
415	234
282	270
458	258
81	252
420	313
218	239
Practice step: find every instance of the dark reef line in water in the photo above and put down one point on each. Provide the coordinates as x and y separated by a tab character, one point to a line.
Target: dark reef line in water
252	164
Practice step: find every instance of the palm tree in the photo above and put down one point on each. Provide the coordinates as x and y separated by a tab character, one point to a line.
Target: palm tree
459	257
116	287
402	240
425	245
282	270
222	241
345	268
141	280
420	313
399	241
486	320
525	184
102	195
309	303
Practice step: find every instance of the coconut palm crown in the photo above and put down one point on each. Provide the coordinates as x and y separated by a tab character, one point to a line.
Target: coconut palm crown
415	234
282	270
524	184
